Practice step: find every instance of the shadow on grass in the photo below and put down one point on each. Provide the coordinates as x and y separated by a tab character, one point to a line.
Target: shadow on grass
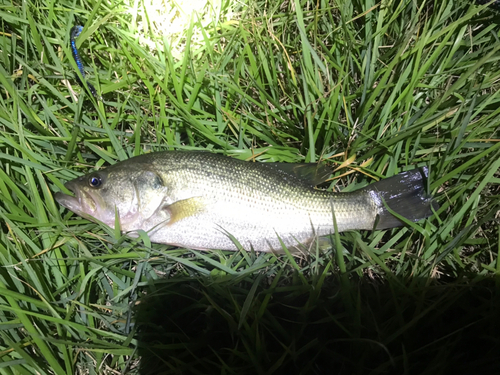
225	327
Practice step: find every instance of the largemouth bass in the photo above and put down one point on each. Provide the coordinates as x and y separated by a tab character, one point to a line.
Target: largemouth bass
199	200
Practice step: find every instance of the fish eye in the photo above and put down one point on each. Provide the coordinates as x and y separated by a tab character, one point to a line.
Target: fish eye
95	181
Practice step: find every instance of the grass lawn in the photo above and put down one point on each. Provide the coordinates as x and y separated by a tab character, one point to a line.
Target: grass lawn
369	88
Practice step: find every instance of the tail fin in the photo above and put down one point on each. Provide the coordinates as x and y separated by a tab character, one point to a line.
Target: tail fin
404	194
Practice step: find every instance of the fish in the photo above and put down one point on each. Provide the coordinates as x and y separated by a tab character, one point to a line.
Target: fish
207	201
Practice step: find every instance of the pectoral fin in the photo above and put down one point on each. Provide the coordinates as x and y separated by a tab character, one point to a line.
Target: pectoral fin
184	209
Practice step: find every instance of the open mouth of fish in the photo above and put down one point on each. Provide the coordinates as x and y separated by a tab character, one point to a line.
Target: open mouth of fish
82	203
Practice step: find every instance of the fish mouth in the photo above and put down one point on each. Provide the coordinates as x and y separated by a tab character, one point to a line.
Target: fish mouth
82	203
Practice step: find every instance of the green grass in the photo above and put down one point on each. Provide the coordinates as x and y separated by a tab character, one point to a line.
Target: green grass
371	89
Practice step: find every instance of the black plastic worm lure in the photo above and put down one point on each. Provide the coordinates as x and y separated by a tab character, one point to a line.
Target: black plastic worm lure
75	32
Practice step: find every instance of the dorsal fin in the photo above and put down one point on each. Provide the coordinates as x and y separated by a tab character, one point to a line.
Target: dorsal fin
311	173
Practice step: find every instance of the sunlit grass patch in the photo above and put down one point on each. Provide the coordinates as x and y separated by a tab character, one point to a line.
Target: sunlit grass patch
178	21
